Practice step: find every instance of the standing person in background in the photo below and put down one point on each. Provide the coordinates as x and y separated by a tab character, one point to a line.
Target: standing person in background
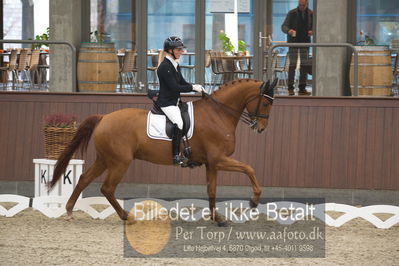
298	26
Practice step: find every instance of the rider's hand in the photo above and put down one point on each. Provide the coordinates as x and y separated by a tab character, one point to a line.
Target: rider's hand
198	88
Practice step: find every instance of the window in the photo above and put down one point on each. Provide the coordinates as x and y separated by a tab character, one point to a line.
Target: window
217	20
24	20
114	20
377	22
170	18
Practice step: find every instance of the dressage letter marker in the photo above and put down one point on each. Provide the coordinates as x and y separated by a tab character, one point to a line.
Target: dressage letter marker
44	169
67	177
43	176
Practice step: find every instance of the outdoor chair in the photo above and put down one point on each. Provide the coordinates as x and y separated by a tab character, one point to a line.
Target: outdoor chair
280	65
245	67
6	70
33	69
21	72
127	73
217	71
156	59
43	69
188	71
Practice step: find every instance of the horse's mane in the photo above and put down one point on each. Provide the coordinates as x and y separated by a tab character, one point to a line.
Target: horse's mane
231	83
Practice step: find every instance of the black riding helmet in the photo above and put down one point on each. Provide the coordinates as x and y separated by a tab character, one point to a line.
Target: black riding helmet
173	42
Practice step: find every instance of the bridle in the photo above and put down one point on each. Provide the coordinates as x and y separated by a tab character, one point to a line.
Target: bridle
249	118
253	117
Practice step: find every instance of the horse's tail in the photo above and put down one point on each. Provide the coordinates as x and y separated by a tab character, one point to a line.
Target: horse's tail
80	140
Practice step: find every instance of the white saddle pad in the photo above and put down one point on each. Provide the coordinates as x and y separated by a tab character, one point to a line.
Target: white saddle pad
156	125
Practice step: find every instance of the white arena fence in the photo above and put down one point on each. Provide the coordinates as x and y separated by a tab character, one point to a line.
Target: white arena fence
54	207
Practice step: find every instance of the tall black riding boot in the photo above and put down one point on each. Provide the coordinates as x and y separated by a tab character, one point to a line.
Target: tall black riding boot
176	139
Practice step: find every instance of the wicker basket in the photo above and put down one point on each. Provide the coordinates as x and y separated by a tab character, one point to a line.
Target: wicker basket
56	139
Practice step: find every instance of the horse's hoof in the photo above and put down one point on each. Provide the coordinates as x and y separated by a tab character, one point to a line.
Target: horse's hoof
125	216
252	204
130	220
223	224
69	218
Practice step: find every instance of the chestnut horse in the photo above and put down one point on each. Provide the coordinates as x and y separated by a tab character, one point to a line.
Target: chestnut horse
121	136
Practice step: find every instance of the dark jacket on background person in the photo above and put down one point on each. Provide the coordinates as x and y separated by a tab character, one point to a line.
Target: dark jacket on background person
301	25
171	84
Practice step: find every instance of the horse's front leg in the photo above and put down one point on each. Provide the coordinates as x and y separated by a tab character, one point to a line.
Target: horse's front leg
211	178
230	164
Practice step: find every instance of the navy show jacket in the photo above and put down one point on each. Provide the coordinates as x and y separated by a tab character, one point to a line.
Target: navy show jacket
171	84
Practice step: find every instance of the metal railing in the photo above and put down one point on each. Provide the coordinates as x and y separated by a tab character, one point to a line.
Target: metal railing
73	49
305	45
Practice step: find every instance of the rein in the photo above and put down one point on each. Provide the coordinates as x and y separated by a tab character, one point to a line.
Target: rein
245	117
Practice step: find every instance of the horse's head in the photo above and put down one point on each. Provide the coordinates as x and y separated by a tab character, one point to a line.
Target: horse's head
260	105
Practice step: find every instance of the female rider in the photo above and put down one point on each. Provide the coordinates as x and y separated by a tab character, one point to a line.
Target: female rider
171	84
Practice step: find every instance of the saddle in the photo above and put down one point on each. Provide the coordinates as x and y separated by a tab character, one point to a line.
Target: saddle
158	132
156	110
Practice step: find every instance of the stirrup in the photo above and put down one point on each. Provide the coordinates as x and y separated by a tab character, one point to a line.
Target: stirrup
179	160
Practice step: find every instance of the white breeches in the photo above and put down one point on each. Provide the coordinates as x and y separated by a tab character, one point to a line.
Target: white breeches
174	115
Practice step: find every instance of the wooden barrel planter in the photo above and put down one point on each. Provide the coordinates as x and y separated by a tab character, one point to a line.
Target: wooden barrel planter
375	71
97	67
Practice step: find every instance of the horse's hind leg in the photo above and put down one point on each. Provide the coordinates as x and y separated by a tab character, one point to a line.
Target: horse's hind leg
230	164
115	175
97	168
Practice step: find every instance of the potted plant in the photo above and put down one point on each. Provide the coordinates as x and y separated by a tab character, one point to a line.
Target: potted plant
44	37
97	37
227	46
242	47
59	130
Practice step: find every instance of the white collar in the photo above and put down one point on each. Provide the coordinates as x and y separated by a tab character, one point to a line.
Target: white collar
175	64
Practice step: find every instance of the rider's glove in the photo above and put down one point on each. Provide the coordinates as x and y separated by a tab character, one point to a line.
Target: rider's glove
198	88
